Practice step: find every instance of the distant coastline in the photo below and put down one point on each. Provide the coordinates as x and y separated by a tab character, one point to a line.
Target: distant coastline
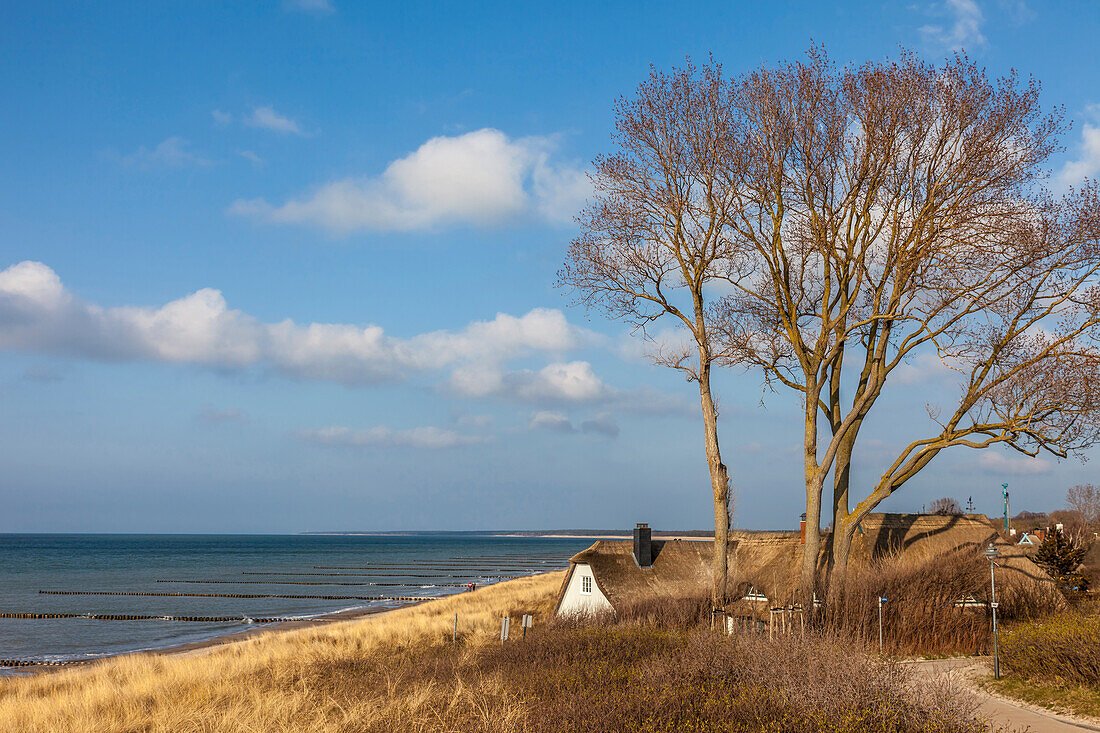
696	534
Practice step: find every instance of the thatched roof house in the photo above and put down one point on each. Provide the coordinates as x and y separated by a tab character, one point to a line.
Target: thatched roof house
608	574
765	566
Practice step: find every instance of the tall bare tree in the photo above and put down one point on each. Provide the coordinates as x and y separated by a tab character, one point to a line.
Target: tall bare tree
655	238
1085	500
945	506
893	210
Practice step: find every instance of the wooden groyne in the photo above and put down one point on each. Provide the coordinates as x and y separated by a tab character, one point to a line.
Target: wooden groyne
141	617
180	594
317	582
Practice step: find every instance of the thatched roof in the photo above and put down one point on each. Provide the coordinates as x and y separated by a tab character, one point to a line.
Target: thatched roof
927	534
680	568
770	562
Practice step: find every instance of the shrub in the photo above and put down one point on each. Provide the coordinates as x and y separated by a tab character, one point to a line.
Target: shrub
665	612
1064	649
920	616
1061	557
635	678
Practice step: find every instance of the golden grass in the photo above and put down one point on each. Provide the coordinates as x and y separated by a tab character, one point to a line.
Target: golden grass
300	680
1061	698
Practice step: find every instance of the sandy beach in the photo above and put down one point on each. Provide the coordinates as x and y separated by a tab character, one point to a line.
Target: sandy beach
196	648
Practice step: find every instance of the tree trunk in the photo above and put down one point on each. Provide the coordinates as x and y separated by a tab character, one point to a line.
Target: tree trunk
844	530
719	480
811	550
842	474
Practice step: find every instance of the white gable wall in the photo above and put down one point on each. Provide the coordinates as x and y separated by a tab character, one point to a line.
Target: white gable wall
577	603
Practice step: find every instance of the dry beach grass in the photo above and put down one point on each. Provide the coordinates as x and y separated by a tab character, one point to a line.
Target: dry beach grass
652	670
301	680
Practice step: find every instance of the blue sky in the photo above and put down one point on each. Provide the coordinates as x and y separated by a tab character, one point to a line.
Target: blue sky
286	266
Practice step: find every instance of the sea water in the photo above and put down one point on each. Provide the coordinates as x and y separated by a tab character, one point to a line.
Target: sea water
352	565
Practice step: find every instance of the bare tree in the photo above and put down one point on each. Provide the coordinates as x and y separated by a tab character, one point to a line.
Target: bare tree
892	210
946	507
1084	499
655	238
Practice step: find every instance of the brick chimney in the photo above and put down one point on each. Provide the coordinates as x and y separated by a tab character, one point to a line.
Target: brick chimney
643	545
802	530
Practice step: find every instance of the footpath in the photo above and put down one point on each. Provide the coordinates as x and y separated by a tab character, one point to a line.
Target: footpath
1000	711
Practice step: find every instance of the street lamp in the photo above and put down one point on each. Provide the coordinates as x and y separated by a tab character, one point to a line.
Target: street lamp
992	553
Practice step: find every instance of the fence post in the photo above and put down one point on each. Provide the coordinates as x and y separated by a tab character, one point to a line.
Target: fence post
505	624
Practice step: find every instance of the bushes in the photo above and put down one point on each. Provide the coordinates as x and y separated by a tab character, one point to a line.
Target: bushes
634	678
1064	649
666	612
920	616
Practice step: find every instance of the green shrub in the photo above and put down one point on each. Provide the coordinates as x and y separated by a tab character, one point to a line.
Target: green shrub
1063	649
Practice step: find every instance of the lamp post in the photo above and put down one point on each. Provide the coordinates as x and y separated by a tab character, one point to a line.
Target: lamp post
992	553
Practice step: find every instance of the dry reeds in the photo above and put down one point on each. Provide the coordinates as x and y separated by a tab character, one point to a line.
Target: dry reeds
920	615
927	611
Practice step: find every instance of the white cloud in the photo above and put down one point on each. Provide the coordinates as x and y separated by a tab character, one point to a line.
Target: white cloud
644	347
561	383
251	156
309	6
999	463
964	26
1087	164
602	424
38	314
479	422
558	422
268	119
572	382
1017	11
425	438
172	153
554	422
921	368
558	382
559	192
480	178
221	118
209	414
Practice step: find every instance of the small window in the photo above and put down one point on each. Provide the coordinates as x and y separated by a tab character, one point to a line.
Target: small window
586	585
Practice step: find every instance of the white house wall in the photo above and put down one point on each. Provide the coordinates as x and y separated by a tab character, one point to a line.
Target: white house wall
574	602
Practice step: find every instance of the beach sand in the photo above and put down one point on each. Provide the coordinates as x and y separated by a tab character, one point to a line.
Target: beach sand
196	648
